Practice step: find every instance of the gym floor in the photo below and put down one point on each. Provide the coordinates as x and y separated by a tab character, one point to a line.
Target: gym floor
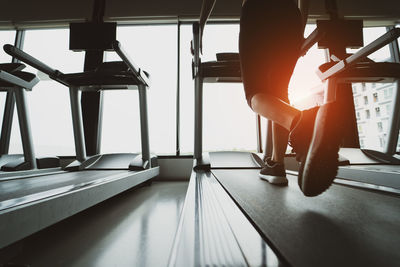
135	228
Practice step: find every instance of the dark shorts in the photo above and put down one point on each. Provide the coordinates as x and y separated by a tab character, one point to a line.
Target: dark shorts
269	42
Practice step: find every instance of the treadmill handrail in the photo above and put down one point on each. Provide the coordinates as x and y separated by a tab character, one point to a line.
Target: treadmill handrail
7	77
132	66
37	64
311	39
383	40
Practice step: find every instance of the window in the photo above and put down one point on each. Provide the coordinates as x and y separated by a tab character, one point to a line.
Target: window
361	143
388	109
378	111
370	126
6	37
365	100
388	92
358	115
356	101
381	142
371	34
360	129
304	80
367	114
154	49
229	123
354	89
375	96
49	102
380	128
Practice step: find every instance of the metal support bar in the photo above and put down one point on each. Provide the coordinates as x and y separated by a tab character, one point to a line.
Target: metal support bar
198	93
393	129
198	117
385	39
258	130
7	123
92	106
129	62
25	127
144	125
77	124
311	39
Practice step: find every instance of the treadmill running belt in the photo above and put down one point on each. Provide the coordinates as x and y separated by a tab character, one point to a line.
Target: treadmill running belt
342	227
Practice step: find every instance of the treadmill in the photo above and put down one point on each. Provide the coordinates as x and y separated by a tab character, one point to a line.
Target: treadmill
15	83
31	204
233	218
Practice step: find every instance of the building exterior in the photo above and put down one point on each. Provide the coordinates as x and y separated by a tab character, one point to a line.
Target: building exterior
373	106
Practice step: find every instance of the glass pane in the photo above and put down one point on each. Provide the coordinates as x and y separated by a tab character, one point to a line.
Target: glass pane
154	49
186	92
374	101
229	124
48	103
6	37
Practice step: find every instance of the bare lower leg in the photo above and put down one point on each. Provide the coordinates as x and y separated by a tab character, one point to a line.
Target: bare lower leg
279	140
274	109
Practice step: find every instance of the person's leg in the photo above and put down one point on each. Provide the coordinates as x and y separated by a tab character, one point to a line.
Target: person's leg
279	112
274	109
279	142
282	116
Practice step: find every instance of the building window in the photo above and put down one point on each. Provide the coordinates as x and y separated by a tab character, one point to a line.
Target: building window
358	115
356	101
378	111
360	130
366	100
389	93
388	109
380	128
373	85
363	87
361	143
354	89
367	114
381	142
375	95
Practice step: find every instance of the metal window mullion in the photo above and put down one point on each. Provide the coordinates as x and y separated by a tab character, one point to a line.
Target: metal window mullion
178	90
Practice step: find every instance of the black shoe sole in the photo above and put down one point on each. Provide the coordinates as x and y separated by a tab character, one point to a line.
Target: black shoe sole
321	164
274	179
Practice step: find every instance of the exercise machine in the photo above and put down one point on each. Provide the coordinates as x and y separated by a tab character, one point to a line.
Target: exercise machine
44	200
233	218
16	83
